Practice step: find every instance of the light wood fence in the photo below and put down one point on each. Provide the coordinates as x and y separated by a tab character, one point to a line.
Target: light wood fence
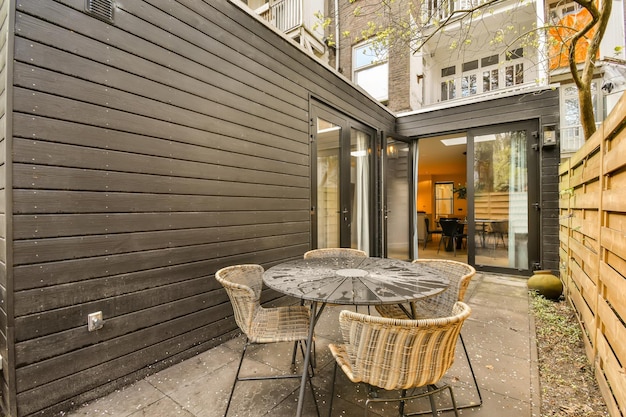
492	205
592	237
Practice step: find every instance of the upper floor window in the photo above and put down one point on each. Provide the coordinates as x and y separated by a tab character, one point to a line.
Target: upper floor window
490	73
371	70
448	87
514	73
483	75
469	85
469	81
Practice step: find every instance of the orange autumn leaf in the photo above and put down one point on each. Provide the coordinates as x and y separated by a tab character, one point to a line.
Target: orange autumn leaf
560	35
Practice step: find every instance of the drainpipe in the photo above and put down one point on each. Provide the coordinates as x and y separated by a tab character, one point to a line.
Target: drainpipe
543	60
337	35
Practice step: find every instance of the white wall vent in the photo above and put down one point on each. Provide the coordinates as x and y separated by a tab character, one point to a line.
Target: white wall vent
102	9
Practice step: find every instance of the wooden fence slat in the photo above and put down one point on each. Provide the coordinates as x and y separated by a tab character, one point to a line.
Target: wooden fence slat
615	292
585	315
591	146
614	158
587	285
615	120
584	222
614	200
614	241
592	185
564	168
605	390
612	371
588	200
587	254
612	329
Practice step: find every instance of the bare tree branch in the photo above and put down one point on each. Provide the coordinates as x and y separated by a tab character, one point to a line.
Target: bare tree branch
408	28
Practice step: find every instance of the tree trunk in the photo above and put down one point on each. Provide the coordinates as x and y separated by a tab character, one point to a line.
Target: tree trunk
587	118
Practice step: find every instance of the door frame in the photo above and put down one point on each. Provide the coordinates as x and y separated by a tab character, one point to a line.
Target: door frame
533	192
384	193
346	123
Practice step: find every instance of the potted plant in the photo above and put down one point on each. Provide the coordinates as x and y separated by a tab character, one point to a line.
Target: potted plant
461	192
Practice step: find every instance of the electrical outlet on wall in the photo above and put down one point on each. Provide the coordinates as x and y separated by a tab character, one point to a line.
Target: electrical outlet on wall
95	321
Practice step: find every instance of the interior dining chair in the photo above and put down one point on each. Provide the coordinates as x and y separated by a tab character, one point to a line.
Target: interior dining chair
449	233
460	275
398	354
243	284
335	253
429	232
499	229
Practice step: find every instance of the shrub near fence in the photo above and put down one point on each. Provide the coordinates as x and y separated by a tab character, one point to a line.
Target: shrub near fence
592	206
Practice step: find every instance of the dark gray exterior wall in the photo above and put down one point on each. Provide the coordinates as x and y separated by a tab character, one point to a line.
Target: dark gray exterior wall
145	155
5	314
543	106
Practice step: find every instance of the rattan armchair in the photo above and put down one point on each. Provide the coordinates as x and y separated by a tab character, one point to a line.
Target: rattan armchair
460	274
243	284
398	354
335	253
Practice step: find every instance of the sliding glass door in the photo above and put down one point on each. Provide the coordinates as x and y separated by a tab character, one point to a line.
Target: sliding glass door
399	236
505	190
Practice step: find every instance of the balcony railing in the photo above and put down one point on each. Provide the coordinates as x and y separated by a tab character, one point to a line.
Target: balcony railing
284	14
437	10
572	138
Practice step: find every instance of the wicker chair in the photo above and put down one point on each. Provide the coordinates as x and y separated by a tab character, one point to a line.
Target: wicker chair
460	275
398	354
243	284
335	253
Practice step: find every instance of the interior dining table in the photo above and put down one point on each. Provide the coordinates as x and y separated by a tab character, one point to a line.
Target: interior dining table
351	281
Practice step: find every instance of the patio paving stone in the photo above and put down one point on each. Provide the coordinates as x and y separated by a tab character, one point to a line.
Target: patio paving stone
499	336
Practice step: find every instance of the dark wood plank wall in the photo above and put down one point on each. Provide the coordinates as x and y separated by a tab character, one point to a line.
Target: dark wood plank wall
542	105
147	154
4	314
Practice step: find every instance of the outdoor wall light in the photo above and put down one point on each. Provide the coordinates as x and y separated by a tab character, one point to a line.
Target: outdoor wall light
549	136
392	151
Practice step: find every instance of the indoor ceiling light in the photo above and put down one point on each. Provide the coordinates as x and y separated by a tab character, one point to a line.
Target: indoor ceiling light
454	141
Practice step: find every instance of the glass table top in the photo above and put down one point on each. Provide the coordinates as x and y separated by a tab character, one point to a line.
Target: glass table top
356	281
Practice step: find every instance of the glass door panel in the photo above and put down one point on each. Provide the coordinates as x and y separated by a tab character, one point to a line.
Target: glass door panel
501	201
397	179
328	203
342	195
360	196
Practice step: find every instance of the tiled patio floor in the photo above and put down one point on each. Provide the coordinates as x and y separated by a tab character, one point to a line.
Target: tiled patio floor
499	336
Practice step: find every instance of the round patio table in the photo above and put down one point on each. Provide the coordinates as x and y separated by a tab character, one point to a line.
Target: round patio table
355	281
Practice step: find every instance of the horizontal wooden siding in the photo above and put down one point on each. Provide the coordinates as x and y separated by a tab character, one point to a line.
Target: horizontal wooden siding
147	154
